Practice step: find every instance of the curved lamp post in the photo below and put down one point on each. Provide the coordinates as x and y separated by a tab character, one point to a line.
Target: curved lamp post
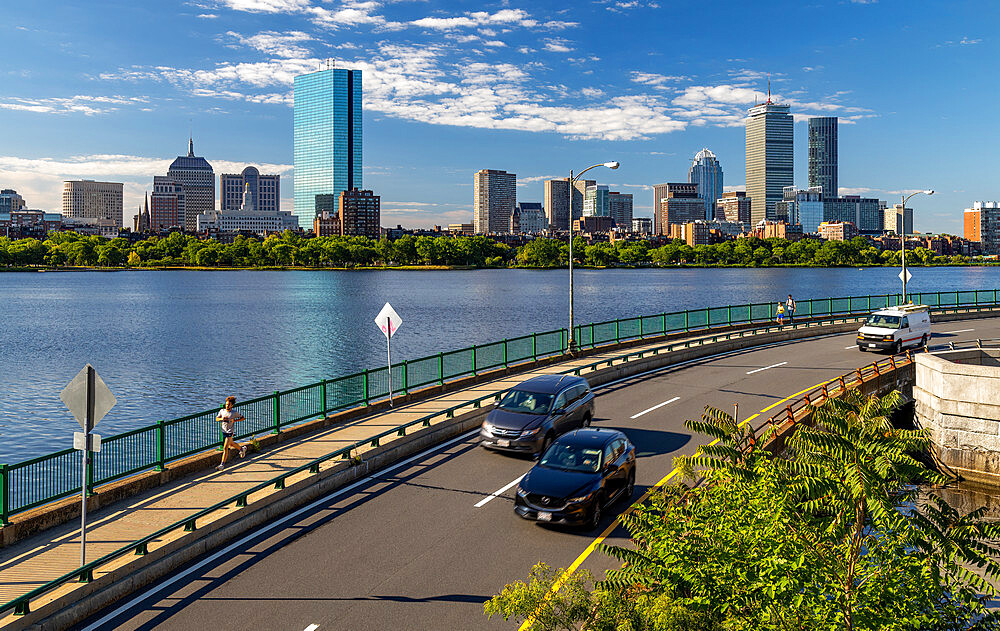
902	237
572	180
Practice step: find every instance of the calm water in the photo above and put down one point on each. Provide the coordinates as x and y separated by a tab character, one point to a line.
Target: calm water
174	343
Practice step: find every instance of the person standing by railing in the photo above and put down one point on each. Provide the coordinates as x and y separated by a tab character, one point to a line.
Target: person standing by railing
227	418
789	308
781	313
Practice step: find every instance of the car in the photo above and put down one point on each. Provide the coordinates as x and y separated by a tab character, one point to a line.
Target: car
579	475
532	414
895	328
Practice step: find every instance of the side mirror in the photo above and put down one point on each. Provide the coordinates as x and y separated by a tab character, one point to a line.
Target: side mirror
559	412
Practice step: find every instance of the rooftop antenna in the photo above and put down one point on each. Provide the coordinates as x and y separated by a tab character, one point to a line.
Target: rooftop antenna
330	63
769	88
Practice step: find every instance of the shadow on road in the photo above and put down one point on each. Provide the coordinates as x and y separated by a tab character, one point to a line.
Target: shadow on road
651	442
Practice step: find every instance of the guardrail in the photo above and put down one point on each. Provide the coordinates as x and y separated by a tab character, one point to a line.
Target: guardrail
38	481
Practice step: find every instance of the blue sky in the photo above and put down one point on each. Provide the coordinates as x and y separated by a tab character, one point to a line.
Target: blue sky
110	90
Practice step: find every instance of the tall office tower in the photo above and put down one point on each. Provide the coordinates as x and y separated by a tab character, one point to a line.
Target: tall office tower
360	213
733	206
679	203
495	193
823	154
528	218
898	220
195	174
982	224
556	201
866	213
769	157
265	190
10	201
327	137
801	207
706	172
596	202
620	206
168	205
93	200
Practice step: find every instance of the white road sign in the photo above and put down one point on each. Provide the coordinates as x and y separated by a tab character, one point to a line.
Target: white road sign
74	396
908	275
79	441
388	320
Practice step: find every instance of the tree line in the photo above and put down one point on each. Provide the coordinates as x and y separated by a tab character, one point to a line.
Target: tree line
293	250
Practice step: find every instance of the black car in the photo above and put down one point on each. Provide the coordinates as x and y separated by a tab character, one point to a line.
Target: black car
536	411
577	476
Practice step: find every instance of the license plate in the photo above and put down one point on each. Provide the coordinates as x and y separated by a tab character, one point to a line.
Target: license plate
871	346
544	516
503	442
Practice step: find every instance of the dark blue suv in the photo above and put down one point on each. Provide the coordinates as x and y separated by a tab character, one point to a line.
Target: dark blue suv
536	411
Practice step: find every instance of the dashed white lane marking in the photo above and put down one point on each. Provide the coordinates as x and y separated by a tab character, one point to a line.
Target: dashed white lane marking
312	627
960	331
767	367
851	346
496	494
655	407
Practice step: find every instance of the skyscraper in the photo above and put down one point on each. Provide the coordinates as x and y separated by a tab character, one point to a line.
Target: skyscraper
360	213
823	154
596	201
677	202
265	190
195	174
620	205
769	156
87	199
10	201
706	172
556	201
495	194
802	207
327	137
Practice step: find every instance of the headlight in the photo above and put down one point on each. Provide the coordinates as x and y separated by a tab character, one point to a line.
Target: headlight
530	432
887	338
582	498
487	427
521	492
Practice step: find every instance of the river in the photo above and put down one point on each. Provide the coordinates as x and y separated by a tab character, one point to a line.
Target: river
169	343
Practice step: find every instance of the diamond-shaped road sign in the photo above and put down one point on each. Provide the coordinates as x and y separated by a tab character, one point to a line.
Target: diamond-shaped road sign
74	396
388	320
908	275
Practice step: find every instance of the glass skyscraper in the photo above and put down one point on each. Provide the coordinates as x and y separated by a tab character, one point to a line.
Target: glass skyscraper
327	137
706	172
770	158
823	154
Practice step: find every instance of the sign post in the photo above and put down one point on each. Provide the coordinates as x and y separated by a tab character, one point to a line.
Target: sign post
388	321
88	399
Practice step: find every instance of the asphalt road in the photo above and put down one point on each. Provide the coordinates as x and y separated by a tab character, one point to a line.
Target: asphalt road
416	547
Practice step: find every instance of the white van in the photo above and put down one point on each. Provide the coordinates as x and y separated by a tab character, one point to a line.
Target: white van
896	328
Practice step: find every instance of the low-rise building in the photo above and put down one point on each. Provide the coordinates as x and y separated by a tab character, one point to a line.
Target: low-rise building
247	219
838	230
108	228
733	206
464	229
360	213
593	225
642	225
767	229
21	224
326	224
528	218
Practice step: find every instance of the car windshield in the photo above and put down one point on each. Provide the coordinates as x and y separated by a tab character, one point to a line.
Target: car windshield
526	402
572	458
884	321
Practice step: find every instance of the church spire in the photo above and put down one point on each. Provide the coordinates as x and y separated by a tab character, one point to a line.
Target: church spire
190	146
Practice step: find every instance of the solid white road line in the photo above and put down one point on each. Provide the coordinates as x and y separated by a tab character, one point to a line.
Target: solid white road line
655	407
497	493
312	627
102	623
960	331
766	367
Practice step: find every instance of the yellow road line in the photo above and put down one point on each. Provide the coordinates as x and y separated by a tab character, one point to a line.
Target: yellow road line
557	585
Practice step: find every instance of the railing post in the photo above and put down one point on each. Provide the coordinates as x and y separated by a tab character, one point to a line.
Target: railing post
686	321
729	315
441	368
404	377
708	318
750	312
91	456
830	305
663	323
618	338
4	495
534	347
364	386
473	359
505	352
161	445
276	398
322	398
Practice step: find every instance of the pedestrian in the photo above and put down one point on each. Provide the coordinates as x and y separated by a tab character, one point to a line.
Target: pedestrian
227	419
781	313
790	308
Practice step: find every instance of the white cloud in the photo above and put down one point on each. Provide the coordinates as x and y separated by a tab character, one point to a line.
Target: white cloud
558	46
536	178
208	16
79	104
278	44
966	41
592	93
655	80
494	44
266	6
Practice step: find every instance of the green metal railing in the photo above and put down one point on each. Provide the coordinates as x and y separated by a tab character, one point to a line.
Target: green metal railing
21	604
37	481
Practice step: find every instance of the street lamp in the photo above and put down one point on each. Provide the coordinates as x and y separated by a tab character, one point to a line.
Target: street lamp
902	237
572	180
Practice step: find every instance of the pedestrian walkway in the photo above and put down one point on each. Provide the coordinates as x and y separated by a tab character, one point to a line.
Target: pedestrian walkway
48	555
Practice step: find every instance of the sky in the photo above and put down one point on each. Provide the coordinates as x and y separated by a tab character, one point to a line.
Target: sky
111	90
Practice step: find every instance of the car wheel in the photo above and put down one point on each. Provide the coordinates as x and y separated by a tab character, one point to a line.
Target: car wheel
595	513
630	487
923	340
897	348
586	420
862	348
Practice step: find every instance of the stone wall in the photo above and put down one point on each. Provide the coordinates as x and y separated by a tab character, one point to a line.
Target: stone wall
957	400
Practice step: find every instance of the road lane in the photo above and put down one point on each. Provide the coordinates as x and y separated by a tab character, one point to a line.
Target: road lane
410	549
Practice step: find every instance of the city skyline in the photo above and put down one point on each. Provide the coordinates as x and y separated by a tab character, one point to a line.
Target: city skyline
451	89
